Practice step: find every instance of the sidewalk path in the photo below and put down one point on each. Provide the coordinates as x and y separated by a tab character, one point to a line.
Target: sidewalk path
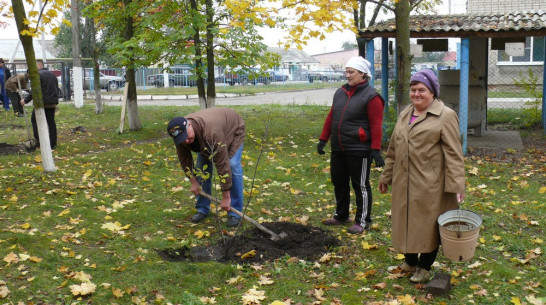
304	97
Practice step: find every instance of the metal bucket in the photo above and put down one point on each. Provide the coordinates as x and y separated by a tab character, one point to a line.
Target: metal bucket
459	231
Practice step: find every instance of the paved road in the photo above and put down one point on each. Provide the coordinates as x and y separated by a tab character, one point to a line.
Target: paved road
300	97
305	97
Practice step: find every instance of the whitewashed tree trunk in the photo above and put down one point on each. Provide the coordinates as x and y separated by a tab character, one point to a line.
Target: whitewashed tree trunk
77	63
207	102
77	73
28	47
45	145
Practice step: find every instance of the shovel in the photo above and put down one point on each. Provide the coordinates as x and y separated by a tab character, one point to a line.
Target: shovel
274	236
30	145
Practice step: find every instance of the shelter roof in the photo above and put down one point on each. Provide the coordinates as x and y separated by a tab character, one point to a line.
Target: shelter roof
12	47
514	24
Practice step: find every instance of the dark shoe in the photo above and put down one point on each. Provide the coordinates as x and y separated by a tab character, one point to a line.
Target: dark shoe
403	267
233	221
355	229
420	276
333	222
198	217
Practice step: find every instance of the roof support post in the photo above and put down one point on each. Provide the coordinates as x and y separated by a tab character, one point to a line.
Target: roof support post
463	92
385	71
370	57
544	89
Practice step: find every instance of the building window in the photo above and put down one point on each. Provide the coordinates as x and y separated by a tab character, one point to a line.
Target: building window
534	52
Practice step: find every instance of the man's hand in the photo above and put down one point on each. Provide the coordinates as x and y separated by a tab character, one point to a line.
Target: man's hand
225	204
375	155
194	186
320	147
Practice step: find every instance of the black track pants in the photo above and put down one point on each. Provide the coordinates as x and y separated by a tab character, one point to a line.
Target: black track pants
345	169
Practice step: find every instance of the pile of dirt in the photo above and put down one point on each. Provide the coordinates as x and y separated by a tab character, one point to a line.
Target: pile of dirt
303	242
10	149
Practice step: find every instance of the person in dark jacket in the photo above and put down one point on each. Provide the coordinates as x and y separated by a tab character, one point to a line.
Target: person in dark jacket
217	136
354	126
4	76
49	87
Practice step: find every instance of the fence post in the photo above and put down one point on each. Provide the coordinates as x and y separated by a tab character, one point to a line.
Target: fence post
463	92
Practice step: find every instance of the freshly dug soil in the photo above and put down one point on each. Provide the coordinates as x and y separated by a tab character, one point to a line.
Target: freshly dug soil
10	149
303	242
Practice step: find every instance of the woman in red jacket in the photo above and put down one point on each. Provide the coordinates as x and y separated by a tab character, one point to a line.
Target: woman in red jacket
354	126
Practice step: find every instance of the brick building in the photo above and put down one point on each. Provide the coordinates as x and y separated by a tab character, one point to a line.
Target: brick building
503	6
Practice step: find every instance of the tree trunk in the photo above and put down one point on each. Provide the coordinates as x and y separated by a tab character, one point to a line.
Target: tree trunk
77	73
211	85
132	107
199	62
43	132
130	79
99	106
403	56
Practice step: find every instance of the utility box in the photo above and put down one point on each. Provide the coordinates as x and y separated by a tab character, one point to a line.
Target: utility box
477	97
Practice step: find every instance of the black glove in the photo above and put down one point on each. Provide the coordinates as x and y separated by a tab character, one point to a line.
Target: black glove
320	147
375	155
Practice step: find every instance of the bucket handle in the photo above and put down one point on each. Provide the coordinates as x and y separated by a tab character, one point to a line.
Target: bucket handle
459	225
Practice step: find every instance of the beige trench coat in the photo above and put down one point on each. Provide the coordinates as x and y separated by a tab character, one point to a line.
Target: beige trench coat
425	167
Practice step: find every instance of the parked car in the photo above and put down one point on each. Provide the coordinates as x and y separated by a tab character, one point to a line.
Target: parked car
378	75
278	76
242	77
107	82
178	76
325	75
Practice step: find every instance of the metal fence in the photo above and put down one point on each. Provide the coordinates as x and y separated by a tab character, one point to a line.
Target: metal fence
505	92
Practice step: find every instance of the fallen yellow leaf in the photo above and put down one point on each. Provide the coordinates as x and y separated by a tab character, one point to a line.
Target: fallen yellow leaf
83	289
249	254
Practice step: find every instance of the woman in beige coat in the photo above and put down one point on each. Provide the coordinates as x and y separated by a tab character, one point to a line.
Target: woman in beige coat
425	167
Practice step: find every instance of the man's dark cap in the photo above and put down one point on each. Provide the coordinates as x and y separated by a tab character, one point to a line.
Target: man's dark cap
177	130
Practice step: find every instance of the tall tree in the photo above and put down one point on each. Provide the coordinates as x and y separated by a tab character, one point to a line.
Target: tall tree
197	32
76	57
401	10
130	75
403	56
121	20
26	33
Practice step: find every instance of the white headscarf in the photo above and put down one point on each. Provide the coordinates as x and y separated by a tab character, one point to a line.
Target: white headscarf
359	63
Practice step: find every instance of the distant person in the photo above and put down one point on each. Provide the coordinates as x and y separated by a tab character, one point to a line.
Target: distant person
354	126
14	91
425	166
5	74
217	136
49	87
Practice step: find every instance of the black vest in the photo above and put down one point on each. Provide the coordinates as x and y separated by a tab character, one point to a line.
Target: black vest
349	114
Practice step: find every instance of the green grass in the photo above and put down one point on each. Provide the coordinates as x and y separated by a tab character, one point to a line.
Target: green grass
135	179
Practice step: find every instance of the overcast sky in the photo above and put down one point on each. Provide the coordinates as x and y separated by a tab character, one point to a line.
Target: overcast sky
332	43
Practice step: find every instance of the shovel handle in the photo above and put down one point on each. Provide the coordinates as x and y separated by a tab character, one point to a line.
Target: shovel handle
274	236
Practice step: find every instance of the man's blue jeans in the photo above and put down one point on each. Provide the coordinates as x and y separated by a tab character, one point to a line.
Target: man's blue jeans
236	192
